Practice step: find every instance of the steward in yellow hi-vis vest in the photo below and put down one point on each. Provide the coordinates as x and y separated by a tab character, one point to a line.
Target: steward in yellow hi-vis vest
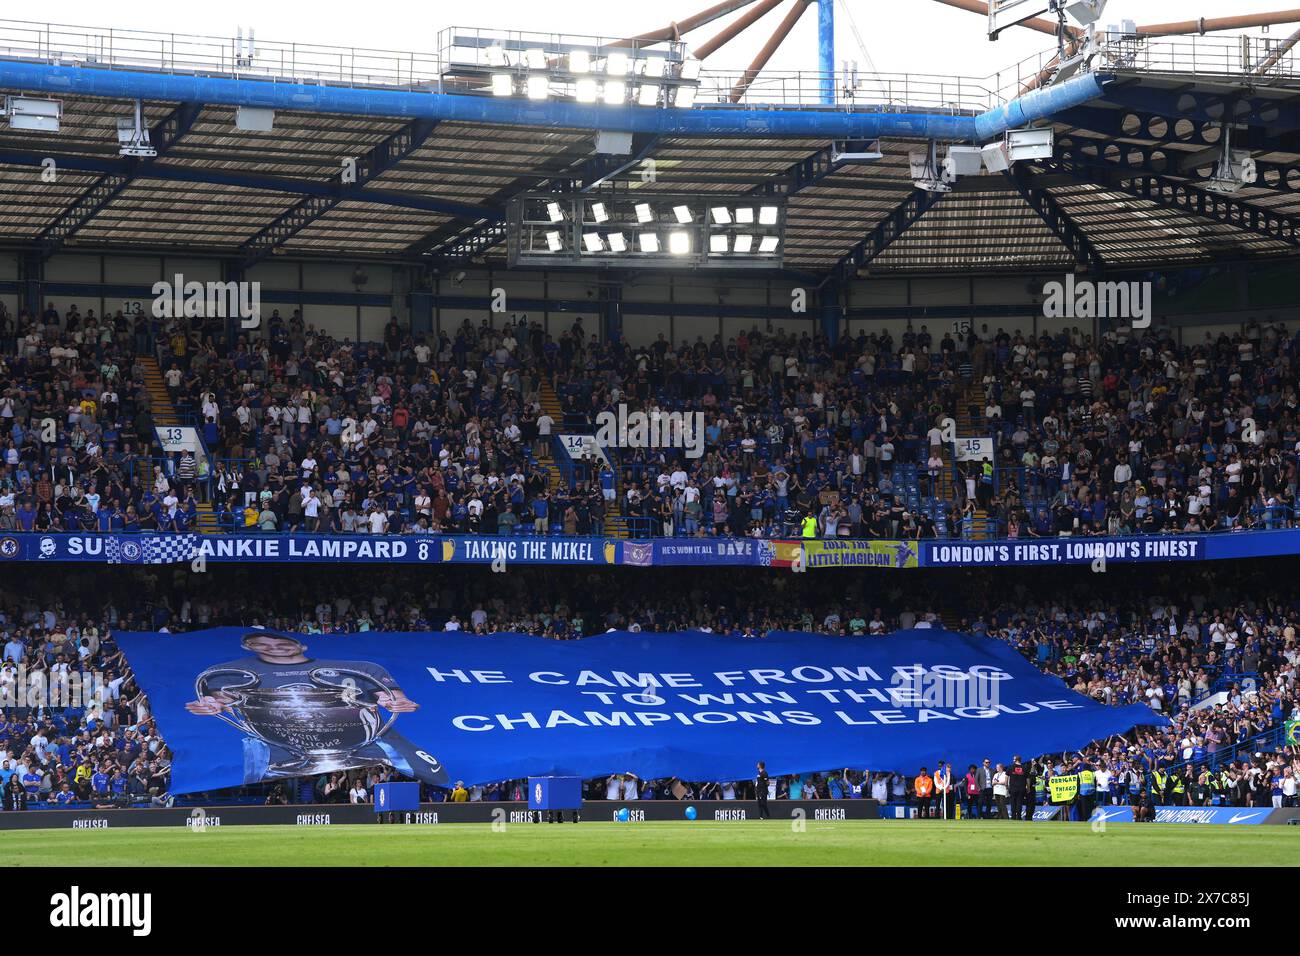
1161	782
1179	789
1087	790
810	527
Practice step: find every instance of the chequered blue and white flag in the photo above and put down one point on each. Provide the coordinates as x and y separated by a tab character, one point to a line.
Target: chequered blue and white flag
170	548
123	549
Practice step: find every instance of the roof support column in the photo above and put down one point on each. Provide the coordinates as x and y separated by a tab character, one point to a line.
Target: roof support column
832	309
826	50
33	278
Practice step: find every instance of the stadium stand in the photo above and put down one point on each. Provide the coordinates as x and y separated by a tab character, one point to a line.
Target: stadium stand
1132	434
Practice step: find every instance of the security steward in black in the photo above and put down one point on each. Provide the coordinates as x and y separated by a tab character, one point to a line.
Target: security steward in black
1019	789
760	791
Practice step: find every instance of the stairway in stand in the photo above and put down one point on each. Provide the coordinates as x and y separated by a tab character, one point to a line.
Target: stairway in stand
165	414
615	522
551	406
160	401
970	421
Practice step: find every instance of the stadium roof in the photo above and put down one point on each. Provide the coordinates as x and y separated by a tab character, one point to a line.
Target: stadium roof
1120	190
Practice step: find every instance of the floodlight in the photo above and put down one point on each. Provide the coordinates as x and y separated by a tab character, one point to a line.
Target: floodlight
503	84
691	69
767	215
616	64
554	210
964	161
684	98
648	95
536	59
649	241
617	242
744	242
579	61
654	66
683	214
554	242
1086	12
615	92
539	87
592	242
718	242
133	134
599	212
722	215
1029	144
995	157
496	56
585	90
679	243
644	213
252	118
768	244
28	113
745	215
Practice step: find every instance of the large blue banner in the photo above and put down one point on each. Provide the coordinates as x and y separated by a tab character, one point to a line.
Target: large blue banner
524	549
1058	551
239	705
255	547
1223	546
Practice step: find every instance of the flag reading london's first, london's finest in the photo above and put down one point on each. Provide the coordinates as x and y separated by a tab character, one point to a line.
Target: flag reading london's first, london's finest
241	705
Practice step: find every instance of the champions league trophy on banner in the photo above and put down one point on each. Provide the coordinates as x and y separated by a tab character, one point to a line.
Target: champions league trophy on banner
319	725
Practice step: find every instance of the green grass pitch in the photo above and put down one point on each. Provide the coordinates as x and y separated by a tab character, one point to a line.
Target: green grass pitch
739	843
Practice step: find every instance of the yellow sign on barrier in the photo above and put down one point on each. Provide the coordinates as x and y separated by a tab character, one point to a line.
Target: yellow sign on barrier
860	554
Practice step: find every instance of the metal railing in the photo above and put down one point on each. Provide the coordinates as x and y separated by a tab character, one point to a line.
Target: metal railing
1264	742
1211	55
109	48
889	92
489	47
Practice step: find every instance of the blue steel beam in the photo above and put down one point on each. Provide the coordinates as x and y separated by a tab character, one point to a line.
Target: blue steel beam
407	199
1055	218
1134	158
826	50
807	172
377	161
699	121
1205	107
162	136
1159	129
1182	197
1043	103
897	222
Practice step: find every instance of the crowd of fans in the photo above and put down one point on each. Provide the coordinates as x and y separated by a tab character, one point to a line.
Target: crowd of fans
1166	641
447	431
